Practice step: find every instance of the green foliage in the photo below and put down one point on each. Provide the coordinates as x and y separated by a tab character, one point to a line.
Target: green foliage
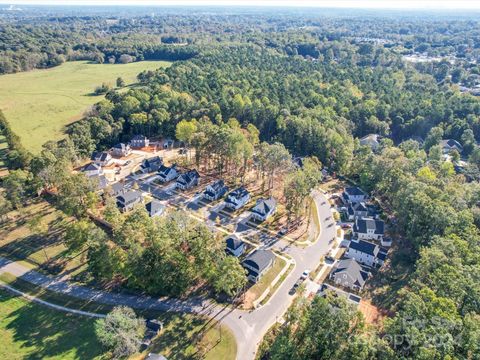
121	332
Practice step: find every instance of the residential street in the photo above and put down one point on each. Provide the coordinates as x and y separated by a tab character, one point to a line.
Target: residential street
248	327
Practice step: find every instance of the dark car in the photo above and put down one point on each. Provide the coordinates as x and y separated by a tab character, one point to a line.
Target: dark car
295	286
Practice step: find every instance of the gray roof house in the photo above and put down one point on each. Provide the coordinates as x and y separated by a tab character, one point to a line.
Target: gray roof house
355	210
128	200
449	145
234	246
139	141
117	189
101	158
366	253
367	228
152	164
121	150
237	198
371	140
188	180
167	173
153	356
215	190
155	208
100	181
257	263
264	208
353	195
92	169
349	273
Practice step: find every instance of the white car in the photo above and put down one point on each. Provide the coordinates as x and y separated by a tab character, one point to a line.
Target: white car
305	274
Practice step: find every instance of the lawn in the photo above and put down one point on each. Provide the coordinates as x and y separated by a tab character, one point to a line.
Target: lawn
31	331
38	104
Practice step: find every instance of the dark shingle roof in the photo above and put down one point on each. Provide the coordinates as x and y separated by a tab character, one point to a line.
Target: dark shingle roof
154	207
164	170
259	259
120	146
353	269
362	225
139	137
92	167
239	193
188	177
364	247
130	195
233	242
263	206
354	191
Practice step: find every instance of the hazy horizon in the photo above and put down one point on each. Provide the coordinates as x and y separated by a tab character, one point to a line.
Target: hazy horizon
346	4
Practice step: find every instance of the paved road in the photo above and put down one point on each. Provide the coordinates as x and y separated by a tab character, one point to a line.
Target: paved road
248	327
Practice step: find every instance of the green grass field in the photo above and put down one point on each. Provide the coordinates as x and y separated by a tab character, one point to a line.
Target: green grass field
38	104
31	331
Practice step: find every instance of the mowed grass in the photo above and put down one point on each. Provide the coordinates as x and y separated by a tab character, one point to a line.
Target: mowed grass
38	104
31	331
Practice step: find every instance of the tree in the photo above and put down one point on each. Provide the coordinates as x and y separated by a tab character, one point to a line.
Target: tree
16	185
81	233
5	207
230	276
121	331
120	82
185	131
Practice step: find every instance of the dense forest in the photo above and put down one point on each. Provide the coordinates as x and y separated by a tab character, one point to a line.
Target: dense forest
313	86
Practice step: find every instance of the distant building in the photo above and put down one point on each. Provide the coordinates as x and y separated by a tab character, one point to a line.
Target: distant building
151	164
101	158
353	195
237	198
188	180
121	150
264	208
449	145
92	169
368	229
371	140
128	200
366	253
139	141
117	189
349	273
215	190
257	264
166	173
234	245
155	208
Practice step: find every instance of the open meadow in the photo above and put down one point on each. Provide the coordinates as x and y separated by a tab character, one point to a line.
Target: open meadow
38	104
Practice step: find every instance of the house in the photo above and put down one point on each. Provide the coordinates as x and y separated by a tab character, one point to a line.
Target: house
100	181
129	199
234	246
350	274
121	150
215	191
117	189
264	208
257	263
237	198
152	164
139	141
449	145
297	162
353	195
368	229
167	173
153	356
155	208
366	253
101	158
92	169
371	140
357	210
188	180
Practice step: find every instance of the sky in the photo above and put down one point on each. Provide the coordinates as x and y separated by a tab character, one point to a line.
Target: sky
379	4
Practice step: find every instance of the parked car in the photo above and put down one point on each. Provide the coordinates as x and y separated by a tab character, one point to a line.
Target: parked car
305	274
346	226
128	162
295	286
330	259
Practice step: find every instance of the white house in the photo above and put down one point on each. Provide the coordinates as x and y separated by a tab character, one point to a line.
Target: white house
188	180
121	150
234	246
215	190
353	195
349	273
368	229
366	253
264	208
167	173
92	169
139	141
128	200
450	145
101	158
237	198
371	140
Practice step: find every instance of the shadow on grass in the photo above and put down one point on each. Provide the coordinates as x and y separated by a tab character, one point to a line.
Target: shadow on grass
49	333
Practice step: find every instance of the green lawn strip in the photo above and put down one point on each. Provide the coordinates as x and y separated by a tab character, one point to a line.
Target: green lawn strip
266	280
279	282
32	331
183	334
